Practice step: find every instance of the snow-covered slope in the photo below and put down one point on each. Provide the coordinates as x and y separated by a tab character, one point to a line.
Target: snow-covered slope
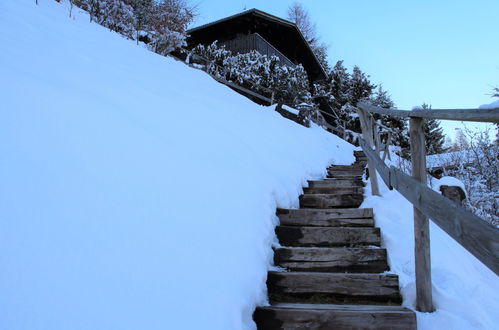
135	192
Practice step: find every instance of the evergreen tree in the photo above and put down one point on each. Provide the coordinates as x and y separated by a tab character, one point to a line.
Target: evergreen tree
434	136
298	14
382	99
360	86
360	89
339	85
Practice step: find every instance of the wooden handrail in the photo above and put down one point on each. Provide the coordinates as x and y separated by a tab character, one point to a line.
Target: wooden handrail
474	234
479	115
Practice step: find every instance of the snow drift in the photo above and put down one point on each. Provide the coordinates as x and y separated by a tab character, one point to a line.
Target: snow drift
136	193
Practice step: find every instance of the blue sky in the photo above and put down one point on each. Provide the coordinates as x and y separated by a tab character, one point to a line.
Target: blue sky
445	53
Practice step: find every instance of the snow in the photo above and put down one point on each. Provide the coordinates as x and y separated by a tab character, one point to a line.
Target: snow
447	181
292	110
493	105
465	292
447	158
136	192
417	107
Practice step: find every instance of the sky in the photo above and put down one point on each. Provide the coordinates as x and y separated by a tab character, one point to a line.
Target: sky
444	53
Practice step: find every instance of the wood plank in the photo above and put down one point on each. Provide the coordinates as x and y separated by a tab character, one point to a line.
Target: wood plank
365	260
331	222
328	236
366	126
281	316
354	167
333	287
357	182
479	115
424	300
324	201
348	175
325	214
334	190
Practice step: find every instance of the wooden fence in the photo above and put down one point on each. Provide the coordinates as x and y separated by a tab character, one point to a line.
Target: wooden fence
477	236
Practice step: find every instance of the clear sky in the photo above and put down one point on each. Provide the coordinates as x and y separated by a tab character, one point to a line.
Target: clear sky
442	52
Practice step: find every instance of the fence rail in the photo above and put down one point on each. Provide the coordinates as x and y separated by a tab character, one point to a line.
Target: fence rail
480	115
474	234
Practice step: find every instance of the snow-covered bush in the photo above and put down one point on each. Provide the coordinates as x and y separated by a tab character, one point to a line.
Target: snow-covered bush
168	23
255	71
477	167
160	24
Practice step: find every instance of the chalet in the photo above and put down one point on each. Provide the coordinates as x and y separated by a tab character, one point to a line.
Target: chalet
256	30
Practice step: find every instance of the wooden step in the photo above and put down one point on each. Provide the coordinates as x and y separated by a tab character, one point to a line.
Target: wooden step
359	153
333	288
283	316
353	167
334	190
341	175
325	201
365	260
326	217
347	183
328	236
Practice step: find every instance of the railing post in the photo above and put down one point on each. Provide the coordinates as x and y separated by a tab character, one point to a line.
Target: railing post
367	131
421	225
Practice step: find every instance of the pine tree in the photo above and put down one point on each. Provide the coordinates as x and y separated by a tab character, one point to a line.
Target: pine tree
339	85
299	15
360	86
382	99
434	136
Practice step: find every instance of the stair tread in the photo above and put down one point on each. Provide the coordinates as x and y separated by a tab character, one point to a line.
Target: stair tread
327	236
319	287
366	260
364	308
285	316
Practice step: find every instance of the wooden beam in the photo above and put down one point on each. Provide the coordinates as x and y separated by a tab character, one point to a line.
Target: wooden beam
477	236
424	301
478	115
368	136
474	234
242	89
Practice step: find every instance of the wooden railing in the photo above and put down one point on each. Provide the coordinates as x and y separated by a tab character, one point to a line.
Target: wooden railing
477	236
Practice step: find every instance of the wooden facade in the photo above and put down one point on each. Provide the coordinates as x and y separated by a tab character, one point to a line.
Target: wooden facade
254	41
256	30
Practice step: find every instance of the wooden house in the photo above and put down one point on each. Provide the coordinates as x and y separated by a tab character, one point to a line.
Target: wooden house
256	30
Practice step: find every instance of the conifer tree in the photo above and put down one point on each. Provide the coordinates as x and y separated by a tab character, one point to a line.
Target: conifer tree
299	15
434	136
382	99
339	85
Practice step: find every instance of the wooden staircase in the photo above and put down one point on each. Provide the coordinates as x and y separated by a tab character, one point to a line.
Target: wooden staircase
331	251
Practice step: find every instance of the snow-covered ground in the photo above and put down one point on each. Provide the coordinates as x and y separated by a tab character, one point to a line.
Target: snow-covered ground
135	192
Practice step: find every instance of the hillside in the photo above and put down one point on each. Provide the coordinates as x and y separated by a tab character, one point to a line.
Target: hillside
137	193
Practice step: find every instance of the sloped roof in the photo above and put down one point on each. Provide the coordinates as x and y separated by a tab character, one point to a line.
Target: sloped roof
282	34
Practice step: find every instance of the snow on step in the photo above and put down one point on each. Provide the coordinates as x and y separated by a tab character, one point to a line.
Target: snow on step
312	287
366	260
327	236
338	317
